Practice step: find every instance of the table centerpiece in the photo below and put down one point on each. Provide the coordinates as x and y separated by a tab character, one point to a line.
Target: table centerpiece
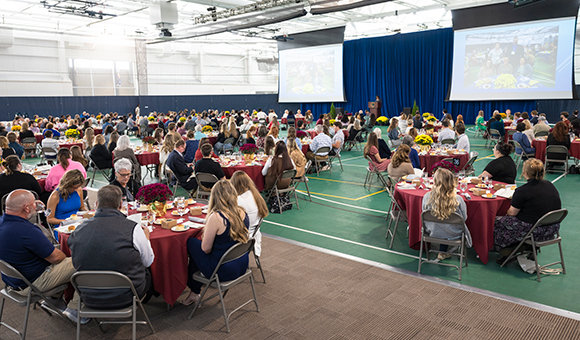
424	142
248	150
155	196
72	134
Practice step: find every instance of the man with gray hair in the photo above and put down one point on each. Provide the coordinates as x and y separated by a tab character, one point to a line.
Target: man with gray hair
123	168
542	125
110	241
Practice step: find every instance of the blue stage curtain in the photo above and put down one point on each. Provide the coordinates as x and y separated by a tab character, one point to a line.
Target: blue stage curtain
404	68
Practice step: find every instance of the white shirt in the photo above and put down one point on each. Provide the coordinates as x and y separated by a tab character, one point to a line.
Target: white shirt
272	116
463	142
143	246
446	133
261	115
247	201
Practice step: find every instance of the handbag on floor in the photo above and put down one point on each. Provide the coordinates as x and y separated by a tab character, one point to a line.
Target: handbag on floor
284	200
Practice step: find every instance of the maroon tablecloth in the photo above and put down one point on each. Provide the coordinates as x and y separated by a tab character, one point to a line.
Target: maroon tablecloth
507	137
70	145
146	158
42	183
507	123
153	125
254	171
39	138
540	146
97	131
427	161
305	148
285	121
481	213
169	269
434	127
212	140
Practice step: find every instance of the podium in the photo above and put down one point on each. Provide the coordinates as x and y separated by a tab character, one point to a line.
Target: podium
375	107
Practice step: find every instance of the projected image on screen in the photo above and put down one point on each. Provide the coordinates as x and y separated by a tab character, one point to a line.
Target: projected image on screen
530	60
311	74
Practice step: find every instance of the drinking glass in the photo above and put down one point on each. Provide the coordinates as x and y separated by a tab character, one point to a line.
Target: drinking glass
150	218
463	187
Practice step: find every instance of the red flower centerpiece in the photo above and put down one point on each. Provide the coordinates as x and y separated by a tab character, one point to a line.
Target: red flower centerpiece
249	149
445	165
155	195
301	134
148	142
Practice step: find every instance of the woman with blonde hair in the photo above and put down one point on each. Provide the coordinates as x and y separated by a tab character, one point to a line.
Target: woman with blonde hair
253	203
166	148
25	132
233	129
384	150
100	155
480	121
226	225
89	139
393	132
297	156
6	149
402	123
529	132
221	138
66	200
251	134
442	200
401	163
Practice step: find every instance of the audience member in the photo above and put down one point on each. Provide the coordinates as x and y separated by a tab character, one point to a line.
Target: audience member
446	132
371	152
502	168
124	150
400	164
523	140
276	165
13	178
66	200
541	126
462	139
558	136
65	163
182	170
413	154
100	155
321	140
297	156
384	151
209	166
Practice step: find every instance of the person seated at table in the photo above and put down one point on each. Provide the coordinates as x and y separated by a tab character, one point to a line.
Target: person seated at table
77	156
181	169
66	200
269	146
529	202
129	187
121	126
413	155
158	136
50	127
384	150
198	154
496	124
558	136
442	200
480	121
221	139
529	132
65	163
25	132
172	130
299	114
297	156
13	143
262	134
6	149
107	133
292	134
198	134
13	178
321	140
462	139
541	126
276	165
402	123
502	168
191	146
371	152
89	139
417	122
250	134
246	125
181	128
523	140
100	155
113	138
337	139
234	132
24	246
124	150
393	133
274	132
99	243
253	203
226	224
446	132
400	164
167	148
353	131
209	166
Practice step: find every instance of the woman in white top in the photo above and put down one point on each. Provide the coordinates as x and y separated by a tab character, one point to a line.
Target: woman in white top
528	131
166	149
250	199
402	123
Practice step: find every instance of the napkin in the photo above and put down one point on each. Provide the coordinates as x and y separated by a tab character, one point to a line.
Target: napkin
135	218
196	219
505	192
193	225
406	186
71	222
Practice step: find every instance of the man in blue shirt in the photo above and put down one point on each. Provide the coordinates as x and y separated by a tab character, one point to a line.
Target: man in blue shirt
24	246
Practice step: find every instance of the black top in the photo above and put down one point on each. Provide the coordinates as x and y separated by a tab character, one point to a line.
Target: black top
552	141
177	164
417	124
209	166
18	180
101	156
502	169
384	150
221	138
535	199
250	141
112	146
25	134
7	152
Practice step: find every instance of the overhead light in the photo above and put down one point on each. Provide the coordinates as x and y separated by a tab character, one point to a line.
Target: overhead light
76	7
211	9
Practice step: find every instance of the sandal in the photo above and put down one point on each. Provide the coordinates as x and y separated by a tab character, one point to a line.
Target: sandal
191	299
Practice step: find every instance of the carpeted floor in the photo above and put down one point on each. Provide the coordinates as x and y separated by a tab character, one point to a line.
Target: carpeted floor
313	295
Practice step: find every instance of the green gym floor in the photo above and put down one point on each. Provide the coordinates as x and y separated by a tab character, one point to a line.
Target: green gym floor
347	218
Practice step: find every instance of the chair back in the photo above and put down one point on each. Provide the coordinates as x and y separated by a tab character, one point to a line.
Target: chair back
494	132
556	149
470	162
12	272
510	132
29	142
287	174
230	140
473	154
454	218
235	252
101	280
322	151
206	178
542	134
48	151
448	141
257	228
552	217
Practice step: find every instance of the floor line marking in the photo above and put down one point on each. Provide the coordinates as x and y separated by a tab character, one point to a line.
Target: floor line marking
554	181
357	165
348	159
347	205
336	180
319	193
341	239
369	195
484	158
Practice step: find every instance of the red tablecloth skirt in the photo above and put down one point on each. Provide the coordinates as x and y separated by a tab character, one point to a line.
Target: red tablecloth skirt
70	145
146	158
39	138
507	137
427	161
507	123
305	148
285	121
540	146
254	171
434	127
481	213
153	125
212	140
42	183
97	131
169	269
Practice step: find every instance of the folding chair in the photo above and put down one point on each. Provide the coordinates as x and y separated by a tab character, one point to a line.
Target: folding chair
169	175
553	217
262	121
455	218
104	172
541	134
256	257
235	252
231	141
395	212
448	141
320	156
494	137
468	167
519	157
103	281
32	298
288	174
205	178
373	171
353	143
304	179
557	149
290	122
48	155
510	133
332	158
29	145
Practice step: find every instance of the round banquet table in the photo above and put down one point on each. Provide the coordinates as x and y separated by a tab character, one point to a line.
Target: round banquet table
153	125
70	145
39	138
169	269
507	123
146	157
540	146
507	137
285	121
481	213
254	171
427	161
98	131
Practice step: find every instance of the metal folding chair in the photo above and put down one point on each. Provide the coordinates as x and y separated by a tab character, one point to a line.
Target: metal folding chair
557	149
304	179
332	158
493	138
373	171
320	156
468	167
235	252
47	155
553	217
288	174
103	281
541	134
448	141
455	218
205	178
104	172
256	257
519	157
395	212
29	145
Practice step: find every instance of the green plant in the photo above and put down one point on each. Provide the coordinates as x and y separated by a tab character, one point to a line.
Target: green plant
415	109
332	111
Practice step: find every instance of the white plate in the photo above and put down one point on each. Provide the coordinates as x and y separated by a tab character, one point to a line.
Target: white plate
493	196
185	227
190	201
204	211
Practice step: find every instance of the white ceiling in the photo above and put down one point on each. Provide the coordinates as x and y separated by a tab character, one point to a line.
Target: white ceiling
132	18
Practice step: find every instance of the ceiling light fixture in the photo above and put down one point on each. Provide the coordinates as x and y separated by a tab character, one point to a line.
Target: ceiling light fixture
76	7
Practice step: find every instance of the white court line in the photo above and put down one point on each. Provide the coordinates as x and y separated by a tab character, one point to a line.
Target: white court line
348	205
348	159
343	240
360	166
554	181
